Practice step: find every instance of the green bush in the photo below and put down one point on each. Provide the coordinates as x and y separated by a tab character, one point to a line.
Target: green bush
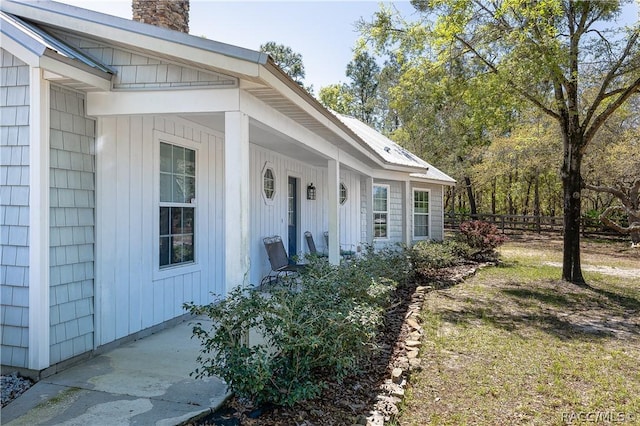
436	255
326	327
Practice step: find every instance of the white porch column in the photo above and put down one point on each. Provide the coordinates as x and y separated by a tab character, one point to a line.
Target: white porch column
333	182
39	130
236	200
407	209
368	209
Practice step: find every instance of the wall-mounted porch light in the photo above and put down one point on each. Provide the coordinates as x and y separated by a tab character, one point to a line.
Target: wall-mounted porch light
311	192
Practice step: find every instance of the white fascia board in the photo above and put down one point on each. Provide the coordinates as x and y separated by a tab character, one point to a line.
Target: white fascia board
162	102
351	162
19	50
70	71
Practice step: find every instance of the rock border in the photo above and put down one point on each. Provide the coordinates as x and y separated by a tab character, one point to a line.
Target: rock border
392	390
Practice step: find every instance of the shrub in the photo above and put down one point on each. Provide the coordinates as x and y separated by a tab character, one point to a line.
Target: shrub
436	255
326	327
480	235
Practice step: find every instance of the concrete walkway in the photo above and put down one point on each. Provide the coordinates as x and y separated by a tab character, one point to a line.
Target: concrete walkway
145	382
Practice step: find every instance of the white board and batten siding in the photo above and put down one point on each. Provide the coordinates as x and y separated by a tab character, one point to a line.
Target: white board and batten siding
14	209
269	217
133	292
350	221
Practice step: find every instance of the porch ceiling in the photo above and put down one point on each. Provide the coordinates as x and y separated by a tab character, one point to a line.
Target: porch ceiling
266	137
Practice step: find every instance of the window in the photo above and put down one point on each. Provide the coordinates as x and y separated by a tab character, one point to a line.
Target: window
268	183
343	193
420	214
177	205
380	211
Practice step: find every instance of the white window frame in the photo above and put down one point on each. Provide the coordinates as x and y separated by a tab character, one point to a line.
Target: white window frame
374	212
268	200
187	267
413	214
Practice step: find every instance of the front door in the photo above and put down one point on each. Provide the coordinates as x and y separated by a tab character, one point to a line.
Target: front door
292	215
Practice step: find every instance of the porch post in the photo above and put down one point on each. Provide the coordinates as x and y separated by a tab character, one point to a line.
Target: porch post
333	183
39	113
236	200
407	210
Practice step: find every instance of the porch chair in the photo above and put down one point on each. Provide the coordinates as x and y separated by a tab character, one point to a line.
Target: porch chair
312	245
280	266
347	254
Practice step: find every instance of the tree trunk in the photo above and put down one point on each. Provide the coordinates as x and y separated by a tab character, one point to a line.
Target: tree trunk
471	197
493	196
536	202
572	184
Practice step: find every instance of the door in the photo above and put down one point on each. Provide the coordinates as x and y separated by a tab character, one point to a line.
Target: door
292	217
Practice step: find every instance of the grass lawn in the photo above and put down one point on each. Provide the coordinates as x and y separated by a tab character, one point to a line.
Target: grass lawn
515	345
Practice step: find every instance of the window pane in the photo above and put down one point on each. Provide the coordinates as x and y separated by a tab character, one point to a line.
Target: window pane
343	193
187	248
178	189
164	221
178	159
165	187
187	220
176	220
164	251
379	192
189	189
269	183
380	225
190	162
421	225
176	249
380	205
165	157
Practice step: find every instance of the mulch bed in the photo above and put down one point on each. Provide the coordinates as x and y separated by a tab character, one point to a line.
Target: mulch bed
352	401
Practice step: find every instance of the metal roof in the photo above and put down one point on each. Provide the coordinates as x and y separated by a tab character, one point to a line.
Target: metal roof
38	41
390	151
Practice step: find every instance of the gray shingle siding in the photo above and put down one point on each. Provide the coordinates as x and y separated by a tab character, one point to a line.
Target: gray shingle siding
72	197
138	71
14	209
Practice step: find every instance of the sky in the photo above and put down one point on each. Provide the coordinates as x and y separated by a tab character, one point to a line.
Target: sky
323	32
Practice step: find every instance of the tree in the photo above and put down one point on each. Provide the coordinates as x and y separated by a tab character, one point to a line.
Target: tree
547	53
613	170
338	97
288	60
364	73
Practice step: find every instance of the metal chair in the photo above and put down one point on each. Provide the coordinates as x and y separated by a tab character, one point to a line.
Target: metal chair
347	254
280	266
312	245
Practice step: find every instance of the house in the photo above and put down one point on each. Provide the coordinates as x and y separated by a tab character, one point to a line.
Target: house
141	168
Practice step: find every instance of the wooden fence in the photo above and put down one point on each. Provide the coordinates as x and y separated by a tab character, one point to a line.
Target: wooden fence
539	224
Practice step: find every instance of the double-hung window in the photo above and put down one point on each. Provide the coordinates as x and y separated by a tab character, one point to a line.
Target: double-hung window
420	214
381	211
177	205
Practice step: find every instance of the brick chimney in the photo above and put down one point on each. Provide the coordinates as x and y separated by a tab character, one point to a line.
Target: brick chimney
172	14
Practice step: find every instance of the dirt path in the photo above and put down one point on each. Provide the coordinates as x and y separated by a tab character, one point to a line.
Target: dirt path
607	270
